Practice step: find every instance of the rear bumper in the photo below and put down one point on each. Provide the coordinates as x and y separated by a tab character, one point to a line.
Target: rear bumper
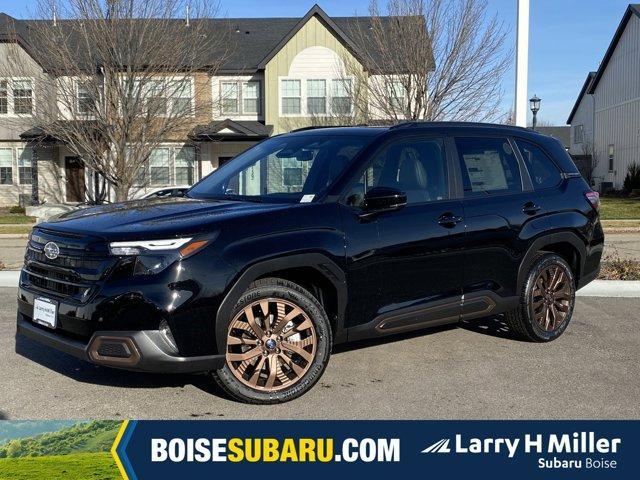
137	351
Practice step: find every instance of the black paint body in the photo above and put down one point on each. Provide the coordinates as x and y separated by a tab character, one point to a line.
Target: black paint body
394	271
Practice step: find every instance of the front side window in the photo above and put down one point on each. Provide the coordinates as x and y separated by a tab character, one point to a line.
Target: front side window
316	97
6	166
489	166
414	166
159	167
291	97
543	172
24	166
22	97
283	169
229	95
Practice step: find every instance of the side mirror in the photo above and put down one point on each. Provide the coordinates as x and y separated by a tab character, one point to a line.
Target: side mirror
383	199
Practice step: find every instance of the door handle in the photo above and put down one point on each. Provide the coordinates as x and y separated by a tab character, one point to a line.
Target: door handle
449	220
531	208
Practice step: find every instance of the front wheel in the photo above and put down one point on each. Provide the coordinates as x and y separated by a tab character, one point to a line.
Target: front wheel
278	343
546	301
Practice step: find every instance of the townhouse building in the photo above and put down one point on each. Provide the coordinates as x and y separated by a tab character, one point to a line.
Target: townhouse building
281	73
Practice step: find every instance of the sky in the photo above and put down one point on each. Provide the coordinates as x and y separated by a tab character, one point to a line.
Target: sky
568	38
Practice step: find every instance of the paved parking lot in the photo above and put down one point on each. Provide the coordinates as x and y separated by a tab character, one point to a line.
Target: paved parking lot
474	371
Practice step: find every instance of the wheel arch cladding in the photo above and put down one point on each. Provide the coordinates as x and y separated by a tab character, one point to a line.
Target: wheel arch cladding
313	271
565	244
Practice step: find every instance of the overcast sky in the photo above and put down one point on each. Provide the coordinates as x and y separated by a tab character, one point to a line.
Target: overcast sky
568	39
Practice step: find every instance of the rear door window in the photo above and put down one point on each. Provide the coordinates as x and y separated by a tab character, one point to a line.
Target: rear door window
543	172
489	166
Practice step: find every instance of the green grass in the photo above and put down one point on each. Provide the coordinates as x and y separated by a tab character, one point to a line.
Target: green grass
15	219
619	208
15	229
79	466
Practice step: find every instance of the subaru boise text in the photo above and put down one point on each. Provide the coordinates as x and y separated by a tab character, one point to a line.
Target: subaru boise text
315	238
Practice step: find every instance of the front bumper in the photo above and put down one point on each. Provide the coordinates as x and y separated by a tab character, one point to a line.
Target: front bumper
134	350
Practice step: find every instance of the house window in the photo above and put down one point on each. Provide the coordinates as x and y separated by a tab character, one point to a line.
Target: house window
84	99
156	98
185	166
341	97
397	96
159	167
4	97
578	134
22	97
24	166
291	97
250	97
316	97
229	95
180	95
6	166
610	152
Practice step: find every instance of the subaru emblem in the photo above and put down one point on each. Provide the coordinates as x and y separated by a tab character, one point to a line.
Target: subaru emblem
51	251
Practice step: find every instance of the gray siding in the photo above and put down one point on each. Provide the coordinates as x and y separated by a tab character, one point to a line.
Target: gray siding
618	107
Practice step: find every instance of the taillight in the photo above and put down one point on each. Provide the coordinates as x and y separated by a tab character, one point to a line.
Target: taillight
593	198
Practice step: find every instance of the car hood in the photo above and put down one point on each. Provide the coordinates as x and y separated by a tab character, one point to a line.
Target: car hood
155	218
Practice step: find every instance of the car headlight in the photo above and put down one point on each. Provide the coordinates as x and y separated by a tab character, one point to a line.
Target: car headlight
153	256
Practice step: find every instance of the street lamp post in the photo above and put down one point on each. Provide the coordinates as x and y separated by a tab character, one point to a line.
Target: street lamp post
534	104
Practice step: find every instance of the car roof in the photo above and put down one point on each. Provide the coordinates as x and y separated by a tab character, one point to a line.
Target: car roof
420	126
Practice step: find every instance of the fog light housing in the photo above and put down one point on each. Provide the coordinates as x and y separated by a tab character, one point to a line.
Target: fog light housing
167	335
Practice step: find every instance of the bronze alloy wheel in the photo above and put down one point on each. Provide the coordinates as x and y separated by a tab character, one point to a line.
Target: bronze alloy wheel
551	298
271	344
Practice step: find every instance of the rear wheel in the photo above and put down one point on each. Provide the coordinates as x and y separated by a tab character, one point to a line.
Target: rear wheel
546	301
278	343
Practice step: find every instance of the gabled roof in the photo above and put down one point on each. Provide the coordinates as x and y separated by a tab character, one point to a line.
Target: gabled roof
632	9
232	129
561	133
252	41
583	91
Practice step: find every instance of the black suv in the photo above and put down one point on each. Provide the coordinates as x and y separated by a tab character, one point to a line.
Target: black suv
314	238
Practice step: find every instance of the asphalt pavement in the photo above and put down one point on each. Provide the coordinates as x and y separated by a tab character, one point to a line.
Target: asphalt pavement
474	371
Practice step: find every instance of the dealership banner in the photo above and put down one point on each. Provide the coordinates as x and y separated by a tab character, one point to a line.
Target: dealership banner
379	449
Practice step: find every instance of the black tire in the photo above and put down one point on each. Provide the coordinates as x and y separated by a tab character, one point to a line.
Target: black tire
270	288
521	320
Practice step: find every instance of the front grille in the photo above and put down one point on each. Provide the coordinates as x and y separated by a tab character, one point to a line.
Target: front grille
81	264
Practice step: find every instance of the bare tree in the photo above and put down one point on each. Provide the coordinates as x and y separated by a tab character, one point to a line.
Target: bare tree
589	161
430	60
121	77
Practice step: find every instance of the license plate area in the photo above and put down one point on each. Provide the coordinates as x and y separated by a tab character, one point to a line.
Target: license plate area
45	312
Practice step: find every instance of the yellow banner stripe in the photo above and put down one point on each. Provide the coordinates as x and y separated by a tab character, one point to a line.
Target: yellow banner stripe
114	453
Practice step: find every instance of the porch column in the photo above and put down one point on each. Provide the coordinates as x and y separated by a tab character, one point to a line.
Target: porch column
35	200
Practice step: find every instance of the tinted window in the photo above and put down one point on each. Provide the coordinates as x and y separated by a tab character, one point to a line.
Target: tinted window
414	166
489	165
543	172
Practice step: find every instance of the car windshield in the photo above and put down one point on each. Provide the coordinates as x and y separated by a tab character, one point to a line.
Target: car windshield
282	169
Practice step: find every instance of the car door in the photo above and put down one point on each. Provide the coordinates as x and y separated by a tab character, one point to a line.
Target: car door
502	212
404	266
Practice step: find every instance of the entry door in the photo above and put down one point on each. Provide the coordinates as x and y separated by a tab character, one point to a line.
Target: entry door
76	188
413	255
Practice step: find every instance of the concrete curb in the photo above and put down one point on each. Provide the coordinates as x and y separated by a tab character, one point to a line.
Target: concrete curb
597	288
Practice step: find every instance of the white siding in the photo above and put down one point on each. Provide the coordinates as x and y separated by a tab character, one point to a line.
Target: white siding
583	116
618	107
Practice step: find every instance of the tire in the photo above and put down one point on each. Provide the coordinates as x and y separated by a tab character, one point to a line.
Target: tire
299	349
546	303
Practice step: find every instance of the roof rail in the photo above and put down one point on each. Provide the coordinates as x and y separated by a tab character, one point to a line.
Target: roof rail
317	127
427	123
